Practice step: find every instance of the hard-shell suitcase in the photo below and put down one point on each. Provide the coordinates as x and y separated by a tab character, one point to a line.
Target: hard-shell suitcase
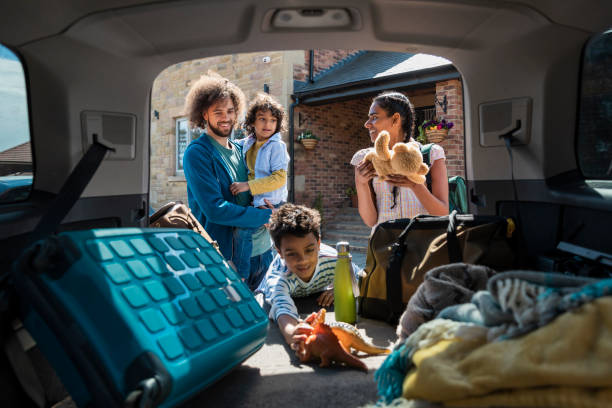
136	317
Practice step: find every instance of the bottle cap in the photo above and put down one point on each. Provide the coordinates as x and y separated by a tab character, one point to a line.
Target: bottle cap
342	247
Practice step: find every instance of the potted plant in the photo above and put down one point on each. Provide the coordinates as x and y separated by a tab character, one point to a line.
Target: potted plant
434	130
351	192
308	139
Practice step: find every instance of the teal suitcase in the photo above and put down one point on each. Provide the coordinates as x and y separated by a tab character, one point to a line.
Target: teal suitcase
136	317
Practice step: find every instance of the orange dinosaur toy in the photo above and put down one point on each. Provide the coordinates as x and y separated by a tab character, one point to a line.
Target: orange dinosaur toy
332	343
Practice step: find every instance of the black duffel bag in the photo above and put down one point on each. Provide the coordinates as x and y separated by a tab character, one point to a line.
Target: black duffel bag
400	252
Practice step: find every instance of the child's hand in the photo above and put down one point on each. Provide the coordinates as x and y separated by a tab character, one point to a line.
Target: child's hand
270	206
239	187
300	334
326	299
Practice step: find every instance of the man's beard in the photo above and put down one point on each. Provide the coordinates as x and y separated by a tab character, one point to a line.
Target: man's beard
218	131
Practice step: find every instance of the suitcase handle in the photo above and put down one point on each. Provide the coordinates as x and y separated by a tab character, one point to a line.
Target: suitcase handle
144	396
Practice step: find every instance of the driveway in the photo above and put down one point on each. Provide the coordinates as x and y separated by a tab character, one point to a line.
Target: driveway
274	377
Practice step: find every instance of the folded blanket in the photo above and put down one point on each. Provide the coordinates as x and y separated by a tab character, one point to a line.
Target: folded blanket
567	397
390	375
539	397
572	352
518	302
442	287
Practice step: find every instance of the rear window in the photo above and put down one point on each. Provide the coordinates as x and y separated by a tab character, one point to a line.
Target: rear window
594	136
15	149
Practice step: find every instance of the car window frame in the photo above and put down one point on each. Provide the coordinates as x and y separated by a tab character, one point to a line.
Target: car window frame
28	100
579	107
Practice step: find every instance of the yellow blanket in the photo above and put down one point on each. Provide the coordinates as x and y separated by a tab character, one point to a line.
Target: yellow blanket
567	363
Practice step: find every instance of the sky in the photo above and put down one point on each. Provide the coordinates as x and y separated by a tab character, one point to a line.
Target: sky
14	126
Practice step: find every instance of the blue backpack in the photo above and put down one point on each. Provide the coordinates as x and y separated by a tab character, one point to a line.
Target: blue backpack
457	191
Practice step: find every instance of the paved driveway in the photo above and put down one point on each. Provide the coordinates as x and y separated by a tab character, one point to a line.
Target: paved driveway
274	377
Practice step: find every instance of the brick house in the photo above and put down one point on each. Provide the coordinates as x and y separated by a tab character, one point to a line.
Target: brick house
330	96
17	159
334	106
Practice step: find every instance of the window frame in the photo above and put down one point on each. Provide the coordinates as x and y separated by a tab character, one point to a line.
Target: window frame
28	121
578	138
177	158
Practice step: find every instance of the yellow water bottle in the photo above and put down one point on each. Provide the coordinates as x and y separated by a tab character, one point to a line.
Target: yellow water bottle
345	307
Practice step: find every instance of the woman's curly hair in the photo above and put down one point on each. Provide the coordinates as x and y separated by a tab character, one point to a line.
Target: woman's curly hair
297	220
206	91
265	103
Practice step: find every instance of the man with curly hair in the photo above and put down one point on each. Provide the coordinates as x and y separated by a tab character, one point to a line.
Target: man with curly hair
267	161
303	266
213	162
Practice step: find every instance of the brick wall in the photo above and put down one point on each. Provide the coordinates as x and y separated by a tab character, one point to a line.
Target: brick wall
248	71
323	59
326	169
453	145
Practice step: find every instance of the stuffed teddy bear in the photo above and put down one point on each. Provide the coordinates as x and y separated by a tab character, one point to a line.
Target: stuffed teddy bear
405	159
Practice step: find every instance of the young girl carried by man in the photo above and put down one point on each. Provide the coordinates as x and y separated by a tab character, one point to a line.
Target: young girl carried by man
267	160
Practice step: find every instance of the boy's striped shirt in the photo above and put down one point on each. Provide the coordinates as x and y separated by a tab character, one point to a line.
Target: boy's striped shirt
280	285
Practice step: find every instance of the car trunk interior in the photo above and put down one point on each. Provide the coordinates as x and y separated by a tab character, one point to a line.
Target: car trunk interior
103	56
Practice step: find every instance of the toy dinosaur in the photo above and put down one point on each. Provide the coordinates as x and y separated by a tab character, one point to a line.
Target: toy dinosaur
405	159
347	334
333	341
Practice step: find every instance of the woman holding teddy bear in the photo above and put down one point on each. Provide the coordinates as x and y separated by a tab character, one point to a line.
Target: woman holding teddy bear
397	197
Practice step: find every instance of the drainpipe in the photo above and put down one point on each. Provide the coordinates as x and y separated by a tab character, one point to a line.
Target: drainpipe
311	67
292	150
295	103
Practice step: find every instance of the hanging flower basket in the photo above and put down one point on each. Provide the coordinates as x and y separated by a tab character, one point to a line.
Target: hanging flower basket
436	135
309	143
434	130
308	139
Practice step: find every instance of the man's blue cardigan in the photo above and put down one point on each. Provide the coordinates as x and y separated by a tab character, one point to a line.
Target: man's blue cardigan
210	199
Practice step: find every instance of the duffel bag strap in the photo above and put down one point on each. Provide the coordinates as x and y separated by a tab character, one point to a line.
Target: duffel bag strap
452	242
398	249
393	275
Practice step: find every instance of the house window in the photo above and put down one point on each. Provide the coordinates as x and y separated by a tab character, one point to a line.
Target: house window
16	170
184	136
593	137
